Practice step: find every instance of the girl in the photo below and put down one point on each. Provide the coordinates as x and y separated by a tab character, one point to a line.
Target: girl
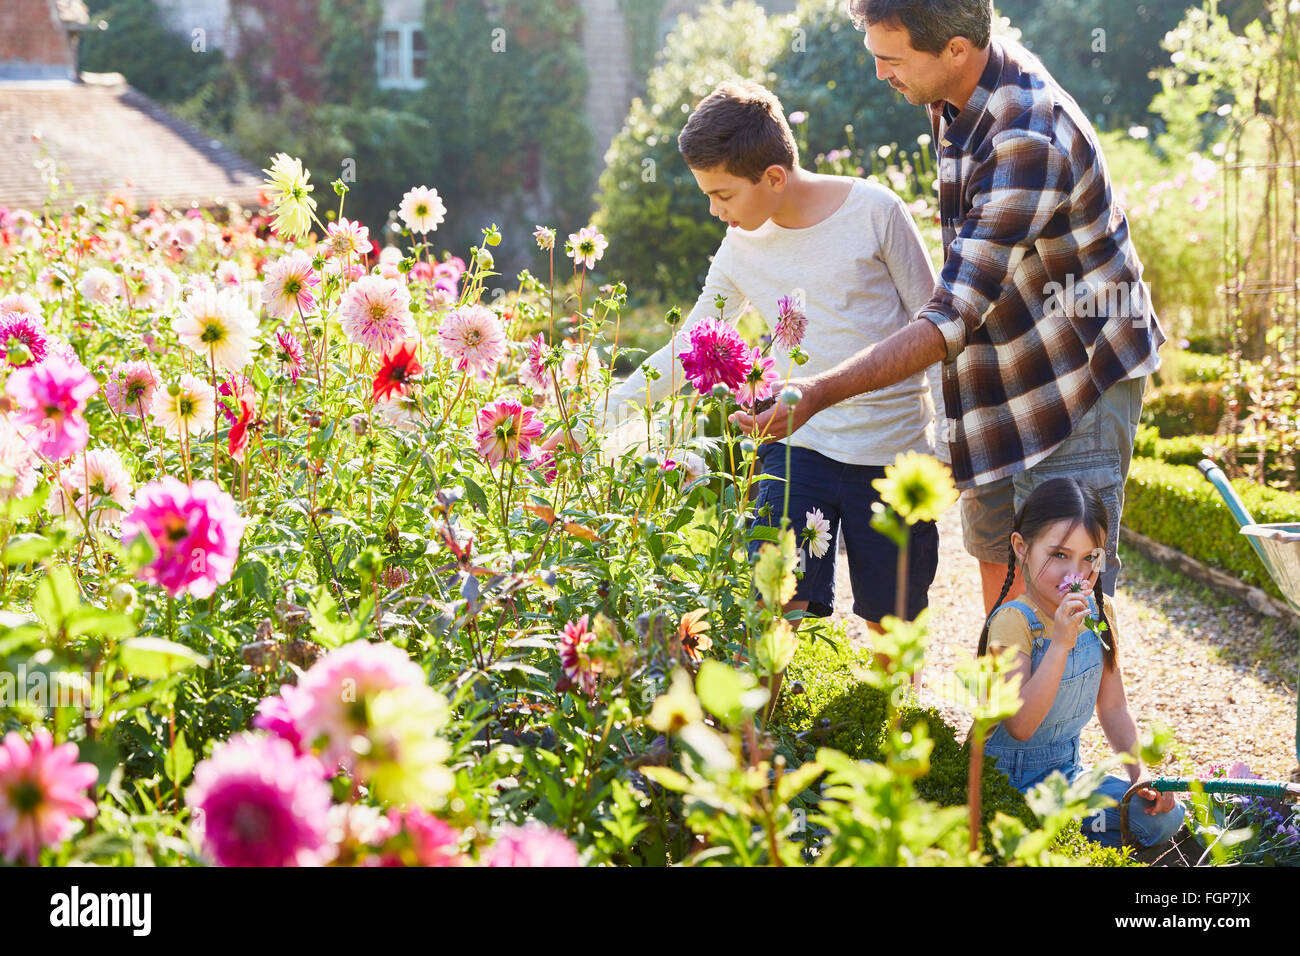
1066	670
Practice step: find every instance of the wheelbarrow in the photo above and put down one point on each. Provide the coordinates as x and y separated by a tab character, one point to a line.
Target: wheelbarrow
1278	546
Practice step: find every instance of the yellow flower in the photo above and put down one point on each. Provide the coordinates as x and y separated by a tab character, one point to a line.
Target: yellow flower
401	755
775	649
774	571
917	487
677	708
293	207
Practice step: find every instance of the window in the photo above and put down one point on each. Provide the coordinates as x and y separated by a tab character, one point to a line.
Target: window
402	56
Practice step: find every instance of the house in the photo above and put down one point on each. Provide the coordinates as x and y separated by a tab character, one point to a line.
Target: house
91	133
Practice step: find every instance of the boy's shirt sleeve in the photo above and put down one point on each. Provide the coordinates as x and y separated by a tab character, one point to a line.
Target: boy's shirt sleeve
621	420
912	272
1009	628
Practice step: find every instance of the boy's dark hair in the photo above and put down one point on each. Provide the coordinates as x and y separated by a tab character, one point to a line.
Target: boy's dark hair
740	127
929	23
1058	499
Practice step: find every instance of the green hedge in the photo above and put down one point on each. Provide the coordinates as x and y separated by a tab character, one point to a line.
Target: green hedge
1179	410
1183	450
835	710
1185	367
1175	505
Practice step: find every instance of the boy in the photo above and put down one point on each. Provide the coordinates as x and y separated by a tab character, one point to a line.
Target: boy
848	253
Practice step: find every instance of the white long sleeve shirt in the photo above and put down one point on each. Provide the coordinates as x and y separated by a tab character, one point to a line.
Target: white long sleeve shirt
862	273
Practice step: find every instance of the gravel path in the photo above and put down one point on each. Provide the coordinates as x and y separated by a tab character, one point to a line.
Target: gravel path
1206	666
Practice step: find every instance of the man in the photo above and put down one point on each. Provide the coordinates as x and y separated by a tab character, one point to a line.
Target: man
1039	314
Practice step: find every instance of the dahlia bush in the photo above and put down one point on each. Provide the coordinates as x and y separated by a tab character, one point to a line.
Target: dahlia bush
317	542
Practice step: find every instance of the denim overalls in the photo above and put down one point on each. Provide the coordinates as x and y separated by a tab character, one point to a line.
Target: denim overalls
1055	744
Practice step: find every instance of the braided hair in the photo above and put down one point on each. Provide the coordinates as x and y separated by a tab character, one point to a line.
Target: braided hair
1056	500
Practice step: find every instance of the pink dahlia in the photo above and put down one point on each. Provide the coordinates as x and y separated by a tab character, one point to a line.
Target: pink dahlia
542	464
329	708
51	398
716	354
533	373
346	238
422	209
195	532
23	340
791	323
586	246
761	380
288	352
581	669
506	430
418	838
21	302
130	387
275	716
93	484
473	338
257	802
17	464
376	313
100	286
533	844
289	284
42	787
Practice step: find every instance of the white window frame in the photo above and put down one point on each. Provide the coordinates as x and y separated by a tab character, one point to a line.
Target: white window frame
405	56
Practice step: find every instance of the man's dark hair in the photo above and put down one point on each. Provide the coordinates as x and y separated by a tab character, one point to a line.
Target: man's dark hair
740	127
929	23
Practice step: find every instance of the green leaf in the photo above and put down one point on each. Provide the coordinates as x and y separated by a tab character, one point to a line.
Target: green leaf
667	778
27	547
154	658
796	781
86	619
104	755
475	495
324	610
774	571
56	596
29	505
728	694
179	761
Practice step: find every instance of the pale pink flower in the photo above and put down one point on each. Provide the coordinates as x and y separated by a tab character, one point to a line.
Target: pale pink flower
422	209
716	354
346	237
533	372
506	430
376	313
289	286
533	844
545	238
23	340
418	838
258	803
17	464
195	531
100	286
53	281
229	275
329	708
42	787
1203	169
51	398
761	381
542	464
473	338
288	352
130	387
22	302
581	668
579	364
190	411
219	327
96	475
791	323
142	285
585	247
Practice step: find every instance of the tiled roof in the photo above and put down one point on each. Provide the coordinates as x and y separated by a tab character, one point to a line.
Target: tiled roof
105	137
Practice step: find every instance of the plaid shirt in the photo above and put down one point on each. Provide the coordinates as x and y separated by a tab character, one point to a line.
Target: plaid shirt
1025	202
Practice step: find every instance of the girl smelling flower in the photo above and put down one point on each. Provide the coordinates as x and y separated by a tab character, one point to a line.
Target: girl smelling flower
1067	672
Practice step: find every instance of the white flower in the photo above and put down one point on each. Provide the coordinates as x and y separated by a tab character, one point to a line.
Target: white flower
100	286
190	409
98	475
422	209
218	326
817	532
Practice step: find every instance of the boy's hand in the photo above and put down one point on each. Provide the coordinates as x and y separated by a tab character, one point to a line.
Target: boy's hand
776	423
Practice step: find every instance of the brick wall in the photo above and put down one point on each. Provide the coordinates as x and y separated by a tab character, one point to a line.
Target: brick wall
33	43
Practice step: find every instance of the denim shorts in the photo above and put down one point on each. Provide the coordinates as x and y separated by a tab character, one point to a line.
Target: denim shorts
844	494
1098	453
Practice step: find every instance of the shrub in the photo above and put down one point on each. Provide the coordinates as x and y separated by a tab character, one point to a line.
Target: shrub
835	710
1175	505
1179	410
1187	366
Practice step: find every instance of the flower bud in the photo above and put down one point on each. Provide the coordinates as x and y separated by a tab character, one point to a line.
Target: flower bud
674	316
720	391
394	577
173	389
799	355
748	446
360	425
123	596
649	461
485	260
79	209
790	396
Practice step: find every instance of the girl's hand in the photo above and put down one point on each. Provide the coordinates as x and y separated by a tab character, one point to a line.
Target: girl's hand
1069	618
1164	801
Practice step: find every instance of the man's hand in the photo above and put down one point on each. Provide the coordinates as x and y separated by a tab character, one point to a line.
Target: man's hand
558	436
777	422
